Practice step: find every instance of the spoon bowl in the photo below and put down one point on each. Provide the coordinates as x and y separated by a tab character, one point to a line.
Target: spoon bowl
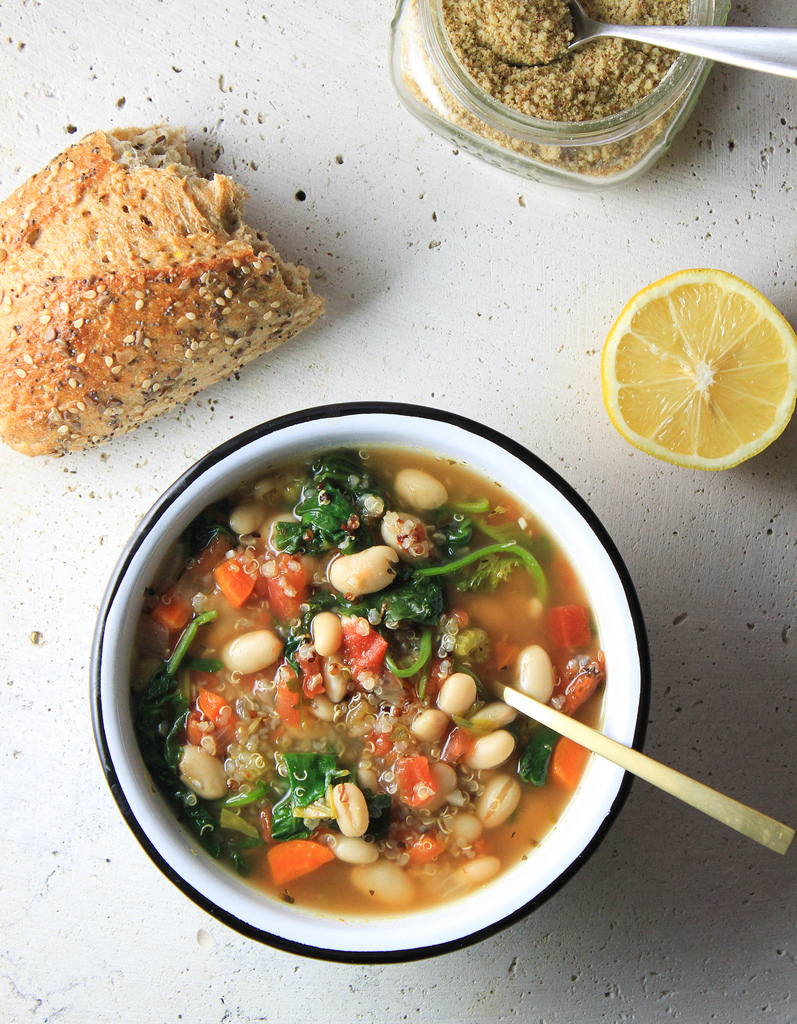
771	50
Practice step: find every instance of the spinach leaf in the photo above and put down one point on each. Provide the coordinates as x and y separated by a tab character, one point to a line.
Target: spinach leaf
456	530
309	778
158	721
211	522
378	805
334	502
413	598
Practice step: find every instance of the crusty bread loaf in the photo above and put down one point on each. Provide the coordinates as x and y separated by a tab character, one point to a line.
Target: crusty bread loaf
128	283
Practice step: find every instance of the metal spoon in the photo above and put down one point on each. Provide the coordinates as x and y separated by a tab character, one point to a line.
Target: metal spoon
760	827
773	50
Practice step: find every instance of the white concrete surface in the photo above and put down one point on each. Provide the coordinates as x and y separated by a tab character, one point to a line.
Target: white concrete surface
454	285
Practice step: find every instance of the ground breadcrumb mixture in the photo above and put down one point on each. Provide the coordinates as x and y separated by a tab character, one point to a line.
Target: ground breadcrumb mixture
495	40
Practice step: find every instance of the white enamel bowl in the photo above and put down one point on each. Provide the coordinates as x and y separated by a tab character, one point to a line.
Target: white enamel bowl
513	894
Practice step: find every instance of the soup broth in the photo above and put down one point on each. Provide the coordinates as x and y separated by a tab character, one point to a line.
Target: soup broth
312	680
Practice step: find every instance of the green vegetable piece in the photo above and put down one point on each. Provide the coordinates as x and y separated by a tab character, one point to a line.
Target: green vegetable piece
488	573
471	507
159	720
230	820
186	639
472	645
412	598
333	500
203	664
209	524
309	777
378	805
530	562
423	656
252	797
536	755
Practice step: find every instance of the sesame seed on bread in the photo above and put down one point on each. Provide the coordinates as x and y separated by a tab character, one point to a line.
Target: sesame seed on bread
128	283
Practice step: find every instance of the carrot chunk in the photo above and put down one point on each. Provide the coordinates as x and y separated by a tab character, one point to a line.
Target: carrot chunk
295	858
172	611
212	705
568	761
233	581
425	849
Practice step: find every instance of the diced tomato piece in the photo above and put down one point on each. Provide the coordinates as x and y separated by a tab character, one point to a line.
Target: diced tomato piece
457	745
312	680
382	742
363	648
569	625
415	784
578	681
234	581
287	705
172	611
295	858
424	849
288	589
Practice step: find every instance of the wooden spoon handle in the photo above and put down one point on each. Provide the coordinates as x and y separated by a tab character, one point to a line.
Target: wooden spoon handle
757	826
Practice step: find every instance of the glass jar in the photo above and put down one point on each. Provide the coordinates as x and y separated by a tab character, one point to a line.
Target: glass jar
594	154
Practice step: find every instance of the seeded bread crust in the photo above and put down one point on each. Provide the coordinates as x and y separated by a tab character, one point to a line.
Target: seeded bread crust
128	283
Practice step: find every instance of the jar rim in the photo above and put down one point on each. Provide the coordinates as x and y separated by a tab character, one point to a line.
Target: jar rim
685	71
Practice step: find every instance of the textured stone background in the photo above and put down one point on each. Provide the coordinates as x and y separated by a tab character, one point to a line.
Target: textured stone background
453	285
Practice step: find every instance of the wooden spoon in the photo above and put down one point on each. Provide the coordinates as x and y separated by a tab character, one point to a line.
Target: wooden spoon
764	830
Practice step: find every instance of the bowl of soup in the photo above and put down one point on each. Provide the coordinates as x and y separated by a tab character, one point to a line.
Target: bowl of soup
294	672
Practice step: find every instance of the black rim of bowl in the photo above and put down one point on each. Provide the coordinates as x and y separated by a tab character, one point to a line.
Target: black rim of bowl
150	520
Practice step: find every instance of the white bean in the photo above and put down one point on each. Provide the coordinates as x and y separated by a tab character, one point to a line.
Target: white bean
406	534
457	693
535	674
429	725
384	882
246	518
499	799
493	716
203	772
353	850
351	809
444	779
475	872
491	750
327	633
419	489
252	651
336	680
466	828
365	572
323	708
367	779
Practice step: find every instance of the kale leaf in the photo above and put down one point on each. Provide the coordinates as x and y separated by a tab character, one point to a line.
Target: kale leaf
488	572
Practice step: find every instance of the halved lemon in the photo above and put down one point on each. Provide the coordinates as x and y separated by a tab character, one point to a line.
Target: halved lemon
700	370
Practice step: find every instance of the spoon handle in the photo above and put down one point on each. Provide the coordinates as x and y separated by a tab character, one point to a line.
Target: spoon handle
757	826
773	50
